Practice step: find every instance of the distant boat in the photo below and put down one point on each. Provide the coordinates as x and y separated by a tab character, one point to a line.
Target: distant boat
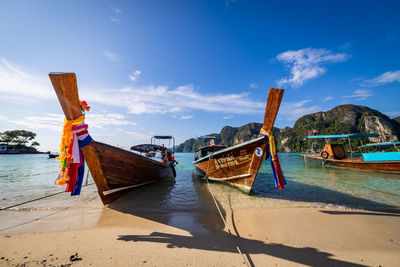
335	155
114	170
238	165
52	156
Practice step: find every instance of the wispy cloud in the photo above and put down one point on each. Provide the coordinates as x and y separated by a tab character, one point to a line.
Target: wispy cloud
392	113
134	75
54	122
294	110
327	98
185	117
115	9
253	85
135	134
384	78
111	56
305	64
148	99
161	99
103	119
360	94
15	80
227	117
115	19
116	14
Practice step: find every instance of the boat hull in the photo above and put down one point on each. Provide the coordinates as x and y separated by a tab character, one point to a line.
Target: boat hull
383	166
237	166
117	171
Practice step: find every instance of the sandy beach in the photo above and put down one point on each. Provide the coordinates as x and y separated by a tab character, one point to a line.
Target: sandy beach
129	232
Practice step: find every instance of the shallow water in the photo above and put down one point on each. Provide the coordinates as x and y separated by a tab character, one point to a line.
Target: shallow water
25	177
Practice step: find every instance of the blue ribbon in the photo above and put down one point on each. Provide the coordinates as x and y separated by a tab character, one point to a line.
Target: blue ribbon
81	169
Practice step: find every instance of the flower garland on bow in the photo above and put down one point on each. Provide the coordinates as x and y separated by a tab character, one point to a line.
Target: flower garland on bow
74	137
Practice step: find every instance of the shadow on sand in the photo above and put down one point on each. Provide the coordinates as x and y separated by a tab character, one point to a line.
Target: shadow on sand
206	227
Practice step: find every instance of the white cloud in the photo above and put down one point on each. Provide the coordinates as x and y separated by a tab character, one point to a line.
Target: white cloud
136	135
147	99
134	75
227	117
102	120
360	94
161	99
3	118
185	117
115	19
116	10
253	85
327	98
16	81
305	64
53	122
392	113
387	77
294	110
111	56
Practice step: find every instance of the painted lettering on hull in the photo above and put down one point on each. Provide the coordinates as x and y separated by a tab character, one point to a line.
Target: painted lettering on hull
225	162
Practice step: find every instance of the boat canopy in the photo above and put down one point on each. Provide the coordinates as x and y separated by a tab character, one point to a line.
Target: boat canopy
207	137
146	148
353	135
382	144
163	137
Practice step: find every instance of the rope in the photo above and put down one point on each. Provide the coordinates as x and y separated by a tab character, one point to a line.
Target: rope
222	217
36	199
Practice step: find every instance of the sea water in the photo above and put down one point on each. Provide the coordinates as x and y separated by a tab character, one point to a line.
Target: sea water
27	177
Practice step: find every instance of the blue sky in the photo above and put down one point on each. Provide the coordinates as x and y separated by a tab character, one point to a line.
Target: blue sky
189	68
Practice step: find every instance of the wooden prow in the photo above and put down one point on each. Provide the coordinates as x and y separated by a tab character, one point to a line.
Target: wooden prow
66	88
271	110
67	92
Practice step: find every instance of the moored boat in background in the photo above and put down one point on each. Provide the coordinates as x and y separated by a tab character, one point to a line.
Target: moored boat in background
238	165
335	154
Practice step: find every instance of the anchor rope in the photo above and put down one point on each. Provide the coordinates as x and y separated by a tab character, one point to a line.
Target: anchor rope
222	217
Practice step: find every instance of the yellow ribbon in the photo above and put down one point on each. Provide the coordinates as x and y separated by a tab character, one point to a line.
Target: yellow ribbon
272	147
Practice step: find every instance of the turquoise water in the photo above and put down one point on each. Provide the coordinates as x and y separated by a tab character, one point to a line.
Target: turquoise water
25	177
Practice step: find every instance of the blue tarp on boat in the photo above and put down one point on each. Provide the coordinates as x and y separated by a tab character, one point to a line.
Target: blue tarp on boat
335	136
382	144
381	156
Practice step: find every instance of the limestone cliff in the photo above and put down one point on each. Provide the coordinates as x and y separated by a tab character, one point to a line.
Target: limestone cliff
339	120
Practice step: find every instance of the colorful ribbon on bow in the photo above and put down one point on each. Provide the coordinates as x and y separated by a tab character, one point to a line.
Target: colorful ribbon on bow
72	163
273	155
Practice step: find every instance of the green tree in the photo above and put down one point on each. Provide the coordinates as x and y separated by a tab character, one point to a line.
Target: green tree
18	137
34	143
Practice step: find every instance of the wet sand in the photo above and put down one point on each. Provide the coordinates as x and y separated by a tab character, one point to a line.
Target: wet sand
135	231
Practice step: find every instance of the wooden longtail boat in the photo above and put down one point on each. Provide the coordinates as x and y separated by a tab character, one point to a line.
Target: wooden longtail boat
335	155
115	171
238	165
